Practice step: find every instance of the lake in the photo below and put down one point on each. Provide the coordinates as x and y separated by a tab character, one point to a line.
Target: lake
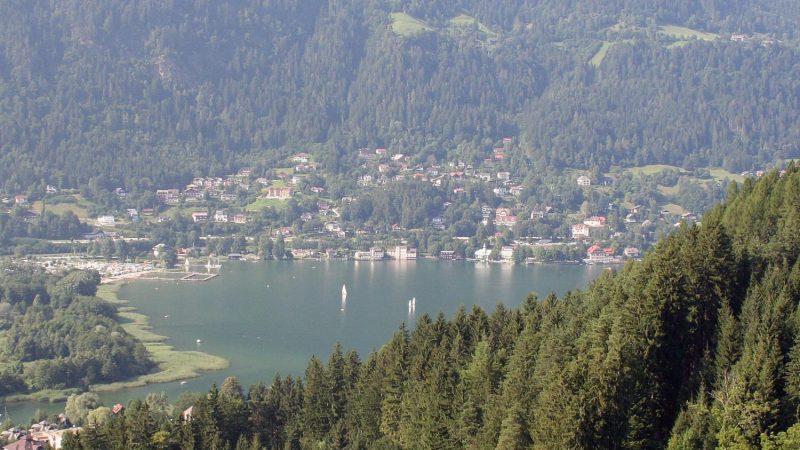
270	317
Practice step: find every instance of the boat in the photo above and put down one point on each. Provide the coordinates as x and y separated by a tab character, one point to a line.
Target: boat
199	341
344	292
414	303
183	382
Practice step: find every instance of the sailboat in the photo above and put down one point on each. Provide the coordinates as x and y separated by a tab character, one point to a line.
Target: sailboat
344	297
414	303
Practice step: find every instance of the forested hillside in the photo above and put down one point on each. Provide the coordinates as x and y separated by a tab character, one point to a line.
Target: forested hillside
695	347
146	94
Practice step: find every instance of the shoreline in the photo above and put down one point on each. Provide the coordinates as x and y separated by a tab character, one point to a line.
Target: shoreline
172	365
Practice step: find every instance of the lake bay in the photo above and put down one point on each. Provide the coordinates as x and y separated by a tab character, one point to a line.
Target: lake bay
270	317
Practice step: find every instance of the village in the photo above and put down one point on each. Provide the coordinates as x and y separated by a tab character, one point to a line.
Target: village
523	231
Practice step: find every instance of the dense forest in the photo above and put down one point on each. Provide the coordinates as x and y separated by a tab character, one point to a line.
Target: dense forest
695	347
56	334
102	94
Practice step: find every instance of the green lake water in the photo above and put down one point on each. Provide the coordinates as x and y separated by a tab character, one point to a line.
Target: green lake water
270	317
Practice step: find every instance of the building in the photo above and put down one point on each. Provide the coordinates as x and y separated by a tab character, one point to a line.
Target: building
595	222
21	200
504	218
584	181
448	255
483	254
279	192
631	252
220	217
27	442
402	252
240	219
106	221
580	230
199	217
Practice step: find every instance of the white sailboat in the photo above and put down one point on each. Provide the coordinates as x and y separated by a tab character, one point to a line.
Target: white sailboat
344	297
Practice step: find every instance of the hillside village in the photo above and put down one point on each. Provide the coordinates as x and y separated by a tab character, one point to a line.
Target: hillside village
294	204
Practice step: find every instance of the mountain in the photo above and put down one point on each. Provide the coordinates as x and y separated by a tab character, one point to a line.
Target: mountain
147	94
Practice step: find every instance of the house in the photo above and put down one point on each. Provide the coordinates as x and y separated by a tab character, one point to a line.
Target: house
279	192
106	221
118	408
168	195
27	442
631	252
580	230
158	250
448	255
240	219
438	223
584	181
52	190
503	217
595	222
507	252
630	218
21	200
380	151
29	216
397	157
505	176
485	176
193	194
739	37
199	217
483	254
300	158
220	217
500	191
54	438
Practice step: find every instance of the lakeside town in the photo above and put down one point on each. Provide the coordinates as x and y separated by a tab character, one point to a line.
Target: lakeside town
486	213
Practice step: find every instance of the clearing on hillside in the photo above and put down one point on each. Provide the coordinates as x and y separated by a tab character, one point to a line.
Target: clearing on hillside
463	20
684	33
408	26
601	53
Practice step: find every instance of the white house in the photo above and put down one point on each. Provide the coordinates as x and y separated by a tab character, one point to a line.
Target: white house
584	181
107	221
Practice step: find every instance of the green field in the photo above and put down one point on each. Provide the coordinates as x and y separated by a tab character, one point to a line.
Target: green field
652	169
62	203
722	174
684	33
673	209
407	26
262	203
